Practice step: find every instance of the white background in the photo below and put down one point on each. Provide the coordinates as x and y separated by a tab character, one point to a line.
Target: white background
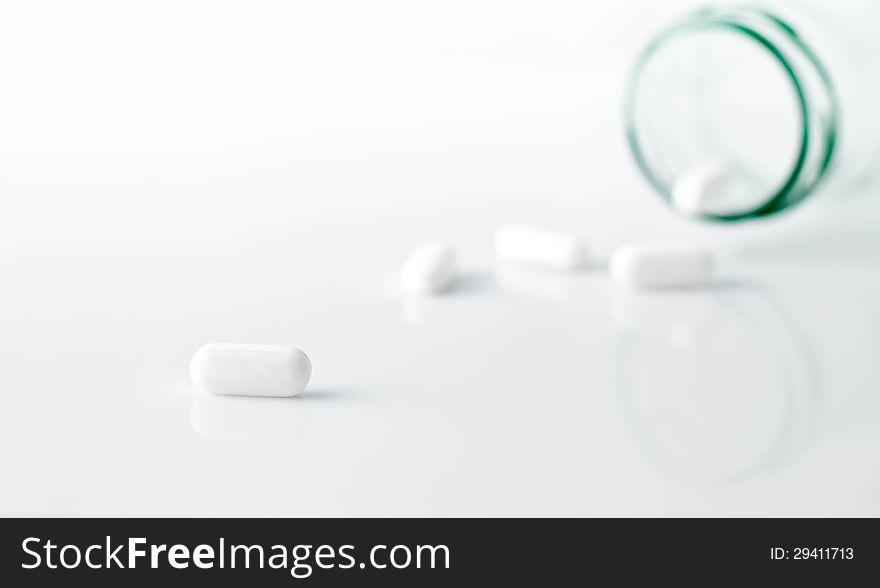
178	172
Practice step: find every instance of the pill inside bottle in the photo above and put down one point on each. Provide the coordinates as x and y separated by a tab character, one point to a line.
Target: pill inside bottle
701	189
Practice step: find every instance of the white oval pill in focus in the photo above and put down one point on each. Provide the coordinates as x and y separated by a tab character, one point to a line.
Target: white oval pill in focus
661	266
539	248
250	369
429	269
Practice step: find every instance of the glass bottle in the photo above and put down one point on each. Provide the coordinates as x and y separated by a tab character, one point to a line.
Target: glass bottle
778	99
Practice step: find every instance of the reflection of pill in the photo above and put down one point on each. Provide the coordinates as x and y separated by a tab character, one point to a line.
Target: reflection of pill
539	248
698	189
429	269
661	266
250	370
249	420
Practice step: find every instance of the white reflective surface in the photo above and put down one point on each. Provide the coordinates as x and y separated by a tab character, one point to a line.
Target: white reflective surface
168	202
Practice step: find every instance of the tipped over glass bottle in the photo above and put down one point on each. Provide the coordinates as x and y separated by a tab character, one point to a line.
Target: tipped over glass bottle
733	113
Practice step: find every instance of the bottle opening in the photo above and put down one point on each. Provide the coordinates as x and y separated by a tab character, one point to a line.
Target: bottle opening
730	116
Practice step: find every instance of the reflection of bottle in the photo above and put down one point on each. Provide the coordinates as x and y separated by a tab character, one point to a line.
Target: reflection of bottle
772	93
714	385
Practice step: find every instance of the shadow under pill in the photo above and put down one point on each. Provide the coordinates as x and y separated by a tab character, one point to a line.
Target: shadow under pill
324	395
473	283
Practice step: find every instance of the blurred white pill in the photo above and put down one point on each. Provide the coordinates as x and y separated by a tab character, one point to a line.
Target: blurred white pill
698	190
661	266
250	370
539	248
429	269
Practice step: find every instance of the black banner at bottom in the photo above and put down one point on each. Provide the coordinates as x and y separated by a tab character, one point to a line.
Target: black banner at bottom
434	552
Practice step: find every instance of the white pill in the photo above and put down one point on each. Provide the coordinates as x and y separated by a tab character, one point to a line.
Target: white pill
250	370
429	269
661	266
539	248
699	189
